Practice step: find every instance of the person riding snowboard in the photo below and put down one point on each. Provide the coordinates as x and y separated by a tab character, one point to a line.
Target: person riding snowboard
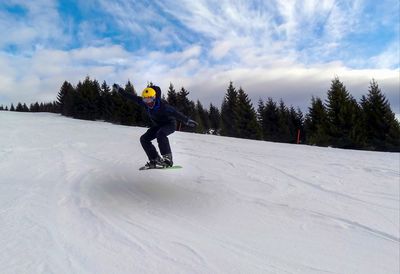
164	121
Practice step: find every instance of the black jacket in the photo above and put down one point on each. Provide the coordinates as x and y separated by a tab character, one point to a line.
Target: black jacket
162	113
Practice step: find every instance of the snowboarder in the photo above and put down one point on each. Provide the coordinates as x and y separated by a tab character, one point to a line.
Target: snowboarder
164	121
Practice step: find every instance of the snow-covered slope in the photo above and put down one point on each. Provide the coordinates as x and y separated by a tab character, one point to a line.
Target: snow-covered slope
73	201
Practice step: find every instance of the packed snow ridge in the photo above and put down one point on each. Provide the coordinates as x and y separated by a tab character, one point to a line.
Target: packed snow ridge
72	200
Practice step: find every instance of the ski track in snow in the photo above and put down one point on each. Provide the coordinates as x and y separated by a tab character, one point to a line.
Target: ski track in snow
73	201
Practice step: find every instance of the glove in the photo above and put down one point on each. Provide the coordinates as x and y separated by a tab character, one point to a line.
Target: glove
191	123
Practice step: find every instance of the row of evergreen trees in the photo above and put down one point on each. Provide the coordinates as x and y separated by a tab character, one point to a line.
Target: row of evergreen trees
36	107
342	122
339	121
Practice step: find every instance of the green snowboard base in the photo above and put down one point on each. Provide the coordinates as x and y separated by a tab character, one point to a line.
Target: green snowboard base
171	167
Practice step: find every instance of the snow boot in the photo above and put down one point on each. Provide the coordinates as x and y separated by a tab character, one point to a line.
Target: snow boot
167	160
155	163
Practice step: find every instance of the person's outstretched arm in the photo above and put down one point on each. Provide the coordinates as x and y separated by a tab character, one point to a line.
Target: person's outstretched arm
181	117
128	95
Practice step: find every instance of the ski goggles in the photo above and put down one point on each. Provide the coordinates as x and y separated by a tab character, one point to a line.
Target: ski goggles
149	100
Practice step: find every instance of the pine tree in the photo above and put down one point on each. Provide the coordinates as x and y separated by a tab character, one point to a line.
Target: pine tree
229	118
25	108
105	101
129	88
284	124
19	107
79	103
95	93
105	88
296	123
137	112
317	123
184	105
126	113
202	117
88	96
172	96
357	130
342	116
247	124
34	107
270	121
116	103
215	119
260	111
260	117
62	94
49	107
382	130
65	99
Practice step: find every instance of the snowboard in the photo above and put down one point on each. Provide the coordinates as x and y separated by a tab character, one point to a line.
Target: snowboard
171	167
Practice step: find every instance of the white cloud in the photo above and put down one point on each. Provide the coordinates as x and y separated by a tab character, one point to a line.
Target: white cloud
295	84
220	49
388	58
44	73
270	49
306	31
41	25
113	54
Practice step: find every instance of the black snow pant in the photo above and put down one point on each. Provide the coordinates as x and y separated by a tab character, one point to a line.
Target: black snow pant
161	133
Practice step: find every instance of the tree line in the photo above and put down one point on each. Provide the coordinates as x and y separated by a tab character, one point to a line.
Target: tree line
338	121
36	107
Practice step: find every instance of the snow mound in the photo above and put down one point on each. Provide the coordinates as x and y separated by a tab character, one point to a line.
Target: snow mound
73	201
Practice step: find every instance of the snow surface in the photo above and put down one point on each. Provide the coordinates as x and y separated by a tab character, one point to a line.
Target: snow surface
73	201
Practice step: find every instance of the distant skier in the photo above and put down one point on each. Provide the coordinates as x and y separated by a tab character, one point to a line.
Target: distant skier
164	121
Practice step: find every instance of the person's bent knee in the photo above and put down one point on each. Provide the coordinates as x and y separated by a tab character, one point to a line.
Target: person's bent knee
143	139
161	135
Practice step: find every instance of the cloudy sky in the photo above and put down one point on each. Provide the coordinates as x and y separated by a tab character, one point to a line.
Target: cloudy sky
289	49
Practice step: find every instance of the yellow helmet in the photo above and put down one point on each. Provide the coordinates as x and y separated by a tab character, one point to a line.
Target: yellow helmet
149	97
148	92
